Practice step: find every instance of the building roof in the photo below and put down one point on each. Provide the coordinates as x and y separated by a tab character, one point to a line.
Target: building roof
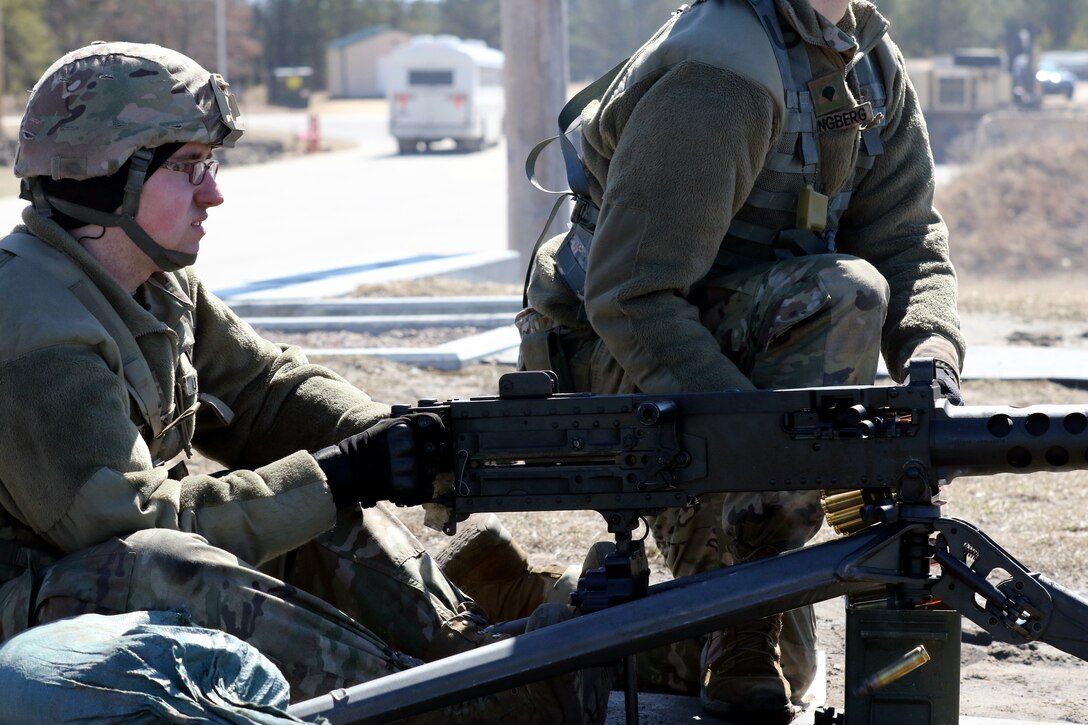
360	35
476	50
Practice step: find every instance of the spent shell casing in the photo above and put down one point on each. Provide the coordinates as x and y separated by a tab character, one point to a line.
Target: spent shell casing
886	675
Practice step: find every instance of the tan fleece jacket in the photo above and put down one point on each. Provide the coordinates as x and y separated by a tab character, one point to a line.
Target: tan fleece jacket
75	465
673	151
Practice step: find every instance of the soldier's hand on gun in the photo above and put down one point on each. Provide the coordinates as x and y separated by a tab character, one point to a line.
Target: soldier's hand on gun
949	381
396	459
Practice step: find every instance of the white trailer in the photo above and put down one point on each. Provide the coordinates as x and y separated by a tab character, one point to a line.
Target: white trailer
443	87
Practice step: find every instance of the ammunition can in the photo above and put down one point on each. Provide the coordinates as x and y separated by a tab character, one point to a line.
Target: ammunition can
879	641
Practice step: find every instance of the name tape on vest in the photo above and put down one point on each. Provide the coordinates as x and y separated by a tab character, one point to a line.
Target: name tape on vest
849	118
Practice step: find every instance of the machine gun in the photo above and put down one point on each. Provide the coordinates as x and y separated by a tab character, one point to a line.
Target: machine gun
883	452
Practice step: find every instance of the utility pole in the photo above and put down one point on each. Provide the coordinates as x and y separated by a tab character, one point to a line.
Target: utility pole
221	39
534	39
3	69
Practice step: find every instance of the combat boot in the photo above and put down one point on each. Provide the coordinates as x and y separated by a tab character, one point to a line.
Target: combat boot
742	674
486	563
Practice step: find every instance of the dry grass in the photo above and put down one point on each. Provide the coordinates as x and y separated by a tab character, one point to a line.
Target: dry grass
437	287
1022	212
1057	297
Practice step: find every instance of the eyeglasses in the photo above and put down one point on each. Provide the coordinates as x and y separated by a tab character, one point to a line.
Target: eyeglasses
195	169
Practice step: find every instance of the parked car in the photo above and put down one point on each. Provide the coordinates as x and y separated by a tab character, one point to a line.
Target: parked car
1056	80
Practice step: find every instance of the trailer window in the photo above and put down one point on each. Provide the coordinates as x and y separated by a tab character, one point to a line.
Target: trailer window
430	78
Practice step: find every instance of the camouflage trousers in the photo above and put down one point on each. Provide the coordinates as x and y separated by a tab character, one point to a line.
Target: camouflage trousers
802	322
362	601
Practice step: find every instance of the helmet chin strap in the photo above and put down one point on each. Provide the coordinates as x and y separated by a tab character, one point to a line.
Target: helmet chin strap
167	260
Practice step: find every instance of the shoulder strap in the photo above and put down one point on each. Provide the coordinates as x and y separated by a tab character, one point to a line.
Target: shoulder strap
572	111
576	175
134	368
578	184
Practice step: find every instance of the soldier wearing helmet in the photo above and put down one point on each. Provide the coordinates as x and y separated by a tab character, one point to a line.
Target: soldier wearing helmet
116	362
103	119
759	208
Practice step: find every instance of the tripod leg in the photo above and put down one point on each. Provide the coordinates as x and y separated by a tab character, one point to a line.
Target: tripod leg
671	611
994	590
630	690
1068	627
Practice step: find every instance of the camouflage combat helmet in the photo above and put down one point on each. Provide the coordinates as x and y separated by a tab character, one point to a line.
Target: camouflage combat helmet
104	104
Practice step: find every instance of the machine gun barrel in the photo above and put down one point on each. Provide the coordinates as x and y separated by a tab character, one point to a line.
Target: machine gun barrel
987	440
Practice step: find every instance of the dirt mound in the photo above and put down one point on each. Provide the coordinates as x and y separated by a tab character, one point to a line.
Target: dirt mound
1020	212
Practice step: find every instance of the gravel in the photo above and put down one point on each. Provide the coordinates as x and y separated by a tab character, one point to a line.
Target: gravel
332	339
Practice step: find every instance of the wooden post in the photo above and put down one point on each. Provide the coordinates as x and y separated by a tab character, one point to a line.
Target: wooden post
3	68
534	39
221	39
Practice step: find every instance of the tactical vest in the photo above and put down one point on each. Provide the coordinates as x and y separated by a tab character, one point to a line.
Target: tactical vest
746	241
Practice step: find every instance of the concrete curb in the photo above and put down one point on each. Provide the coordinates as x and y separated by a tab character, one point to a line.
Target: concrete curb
498	345
362	306
308	286
377	315
500	342
377	323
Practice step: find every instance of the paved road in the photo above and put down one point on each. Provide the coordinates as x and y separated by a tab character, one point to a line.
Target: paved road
331	213
349	209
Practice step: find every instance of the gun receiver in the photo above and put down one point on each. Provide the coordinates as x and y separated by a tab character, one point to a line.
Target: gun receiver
531	450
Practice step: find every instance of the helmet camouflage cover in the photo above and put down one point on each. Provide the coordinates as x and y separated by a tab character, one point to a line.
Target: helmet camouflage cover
98	105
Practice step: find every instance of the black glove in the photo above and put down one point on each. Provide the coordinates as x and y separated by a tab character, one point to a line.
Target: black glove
949	381
396	459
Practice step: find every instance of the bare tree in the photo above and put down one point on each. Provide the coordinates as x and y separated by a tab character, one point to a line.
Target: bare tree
188	27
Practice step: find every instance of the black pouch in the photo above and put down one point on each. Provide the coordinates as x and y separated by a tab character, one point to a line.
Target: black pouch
572	257
543	350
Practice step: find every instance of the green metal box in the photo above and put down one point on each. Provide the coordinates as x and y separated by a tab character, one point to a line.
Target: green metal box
878	638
